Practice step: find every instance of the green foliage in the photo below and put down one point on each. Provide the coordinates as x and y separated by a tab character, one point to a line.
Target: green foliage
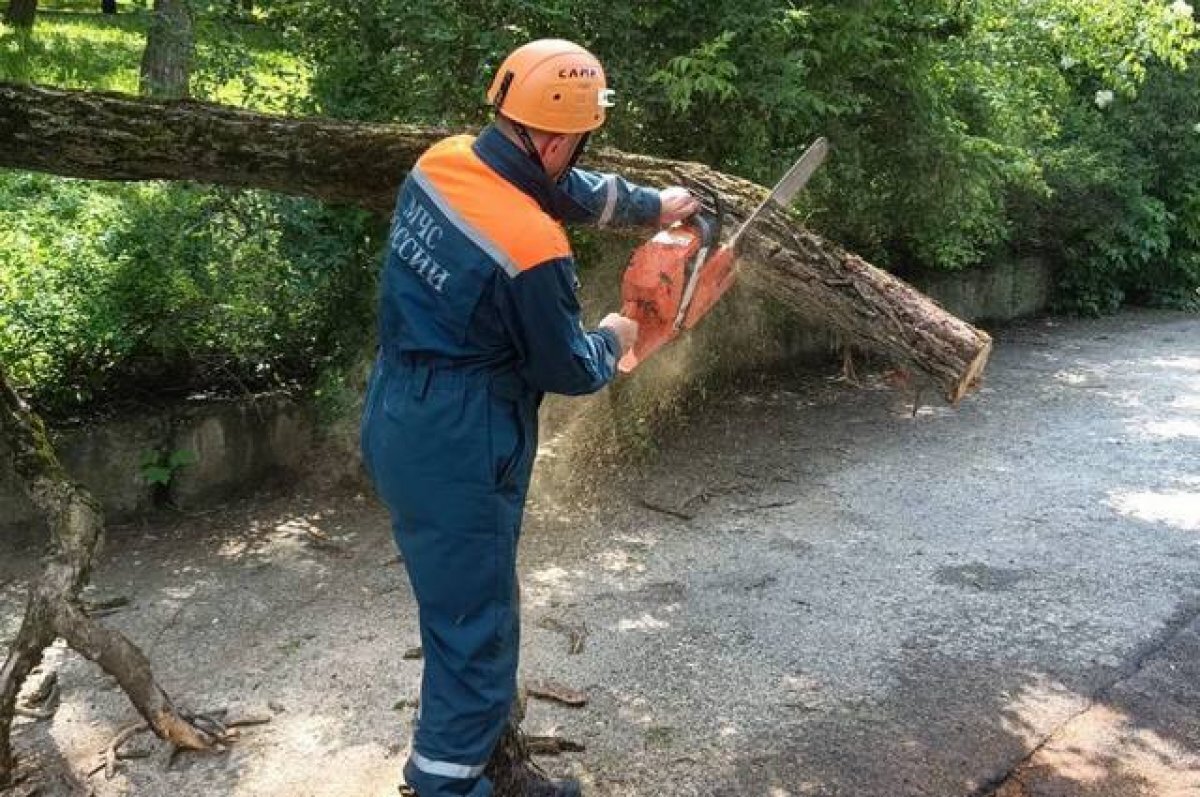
408	60
133	291
948	119
1121	219
159	467
703	75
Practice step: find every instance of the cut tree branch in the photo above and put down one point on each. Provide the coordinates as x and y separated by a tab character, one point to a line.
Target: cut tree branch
53	609
117	137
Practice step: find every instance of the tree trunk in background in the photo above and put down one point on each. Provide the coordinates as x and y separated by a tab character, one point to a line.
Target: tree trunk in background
108	6
167	59
114	137
21	13
53	609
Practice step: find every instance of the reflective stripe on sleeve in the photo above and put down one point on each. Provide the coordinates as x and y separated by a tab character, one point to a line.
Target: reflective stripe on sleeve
610	360
445	769
610	200
465	227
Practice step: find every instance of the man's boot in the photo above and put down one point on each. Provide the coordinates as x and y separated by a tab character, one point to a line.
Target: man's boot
513	773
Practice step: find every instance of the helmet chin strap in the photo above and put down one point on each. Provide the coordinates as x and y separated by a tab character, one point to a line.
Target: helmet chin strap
579	148
532	151
522	131
527	141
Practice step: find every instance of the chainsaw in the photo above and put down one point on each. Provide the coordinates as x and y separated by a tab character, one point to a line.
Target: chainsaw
676	277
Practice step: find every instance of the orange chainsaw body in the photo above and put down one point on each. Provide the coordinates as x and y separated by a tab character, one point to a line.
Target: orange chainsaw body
674	279
654	288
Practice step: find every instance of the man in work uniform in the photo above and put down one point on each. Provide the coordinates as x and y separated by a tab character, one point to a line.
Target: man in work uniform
478	320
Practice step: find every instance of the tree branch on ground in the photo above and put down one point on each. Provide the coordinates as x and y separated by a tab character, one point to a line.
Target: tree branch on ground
52	609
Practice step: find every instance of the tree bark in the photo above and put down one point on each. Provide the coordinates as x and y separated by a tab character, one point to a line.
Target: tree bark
21	13
52	609
113	137
167	60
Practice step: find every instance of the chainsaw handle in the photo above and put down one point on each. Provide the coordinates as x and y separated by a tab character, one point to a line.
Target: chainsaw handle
709	216
709	203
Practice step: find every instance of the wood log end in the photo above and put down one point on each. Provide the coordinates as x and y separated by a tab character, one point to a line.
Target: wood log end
973	375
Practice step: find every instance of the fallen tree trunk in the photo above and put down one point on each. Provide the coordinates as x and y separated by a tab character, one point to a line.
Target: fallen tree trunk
52	609
117	137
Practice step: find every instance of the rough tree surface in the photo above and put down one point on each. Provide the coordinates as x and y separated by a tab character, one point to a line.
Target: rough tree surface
21	13
53	608
115	137
167	60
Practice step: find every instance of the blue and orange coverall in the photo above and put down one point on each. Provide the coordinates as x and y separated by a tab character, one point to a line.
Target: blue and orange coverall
478	320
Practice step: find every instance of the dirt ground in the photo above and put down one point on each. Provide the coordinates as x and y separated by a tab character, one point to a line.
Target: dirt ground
811	592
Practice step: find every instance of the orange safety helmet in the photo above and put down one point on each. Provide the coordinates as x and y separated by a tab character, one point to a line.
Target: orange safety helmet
552	85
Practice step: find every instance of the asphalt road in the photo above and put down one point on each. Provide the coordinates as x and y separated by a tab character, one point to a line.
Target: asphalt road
813	592
872	603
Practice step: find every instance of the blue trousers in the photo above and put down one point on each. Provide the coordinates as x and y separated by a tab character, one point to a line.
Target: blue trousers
450	453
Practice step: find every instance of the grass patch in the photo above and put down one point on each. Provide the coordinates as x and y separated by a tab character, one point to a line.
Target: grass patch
89	6
73	45
83	51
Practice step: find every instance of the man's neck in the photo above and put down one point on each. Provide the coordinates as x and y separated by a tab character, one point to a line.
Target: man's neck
510	132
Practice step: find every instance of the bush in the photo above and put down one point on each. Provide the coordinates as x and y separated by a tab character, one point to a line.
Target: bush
948	120
131	291
1122	219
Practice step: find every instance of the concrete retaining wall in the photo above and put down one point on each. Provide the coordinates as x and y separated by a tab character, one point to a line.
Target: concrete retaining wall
1001	292
239	445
